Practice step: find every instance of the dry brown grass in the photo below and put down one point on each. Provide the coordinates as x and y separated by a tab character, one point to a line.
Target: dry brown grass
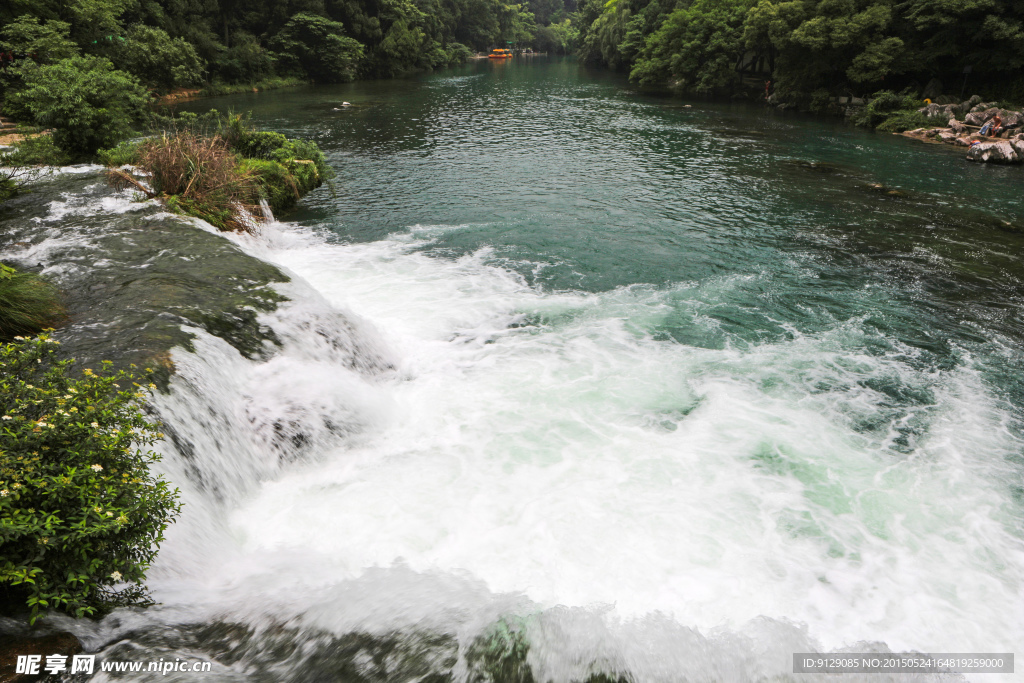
197	175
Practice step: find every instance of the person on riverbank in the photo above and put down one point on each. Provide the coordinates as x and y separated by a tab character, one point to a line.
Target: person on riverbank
993	127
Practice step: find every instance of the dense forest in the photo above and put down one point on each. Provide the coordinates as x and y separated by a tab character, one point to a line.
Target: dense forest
810	47
101	60
168	44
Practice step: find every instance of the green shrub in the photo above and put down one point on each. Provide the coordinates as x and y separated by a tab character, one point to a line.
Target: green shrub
882	105
39	150
81	516
258	144
124	154
457	53
158	60
305	160
899	121
280	188
88	104
28	304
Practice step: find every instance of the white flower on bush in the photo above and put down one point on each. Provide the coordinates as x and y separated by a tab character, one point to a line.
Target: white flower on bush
116	576
109	513
3	493
8	417
96	468
94	425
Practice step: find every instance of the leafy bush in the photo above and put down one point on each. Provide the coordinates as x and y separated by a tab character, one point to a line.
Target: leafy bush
287	169
457	53
317	47
158	60
28	304
39	150
81	516
257	144
883	103
288	172
87	103
279	186
125	154
899	121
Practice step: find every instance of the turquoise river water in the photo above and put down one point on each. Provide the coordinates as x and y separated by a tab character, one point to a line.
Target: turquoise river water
661	393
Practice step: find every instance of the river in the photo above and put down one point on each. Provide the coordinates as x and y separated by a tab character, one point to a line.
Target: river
584	382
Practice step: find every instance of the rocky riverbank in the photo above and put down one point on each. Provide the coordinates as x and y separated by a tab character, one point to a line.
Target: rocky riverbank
1007	147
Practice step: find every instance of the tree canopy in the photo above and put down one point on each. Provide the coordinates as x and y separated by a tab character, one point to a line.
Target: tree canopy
808	45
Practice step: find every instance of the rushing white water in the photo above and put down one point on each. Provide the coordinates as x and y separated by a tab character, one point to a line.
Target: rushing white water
483	449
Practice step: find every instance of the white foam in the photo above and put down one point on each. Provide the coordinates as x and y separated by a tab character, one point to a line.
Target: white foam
670	492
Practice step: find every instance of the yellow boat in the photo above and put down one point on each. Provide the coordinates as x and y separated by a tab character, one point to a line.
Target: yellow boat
500	54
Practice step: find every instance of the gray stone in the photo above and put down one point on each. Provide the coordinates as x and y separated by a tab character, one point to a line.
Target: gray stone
978	118
1012	119
947	136
998	152
962	142
956	126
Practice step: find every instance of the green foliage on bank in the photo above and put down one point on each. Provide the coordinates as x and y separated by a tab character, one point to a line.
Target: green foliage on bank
857	46
169	45
86	70
892	113
86	102
81	516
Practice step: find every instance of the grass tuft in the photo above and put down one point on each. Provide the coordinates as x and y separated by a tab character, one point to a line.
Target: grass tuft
28	304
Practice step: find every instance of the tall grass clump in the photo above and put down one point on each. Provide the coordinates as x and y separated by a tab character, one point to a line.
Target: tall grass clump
219	168
196	175
28	304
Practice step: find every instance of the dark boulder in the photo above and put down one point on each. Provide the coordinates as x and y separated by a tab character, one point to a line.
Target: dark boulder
933	90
